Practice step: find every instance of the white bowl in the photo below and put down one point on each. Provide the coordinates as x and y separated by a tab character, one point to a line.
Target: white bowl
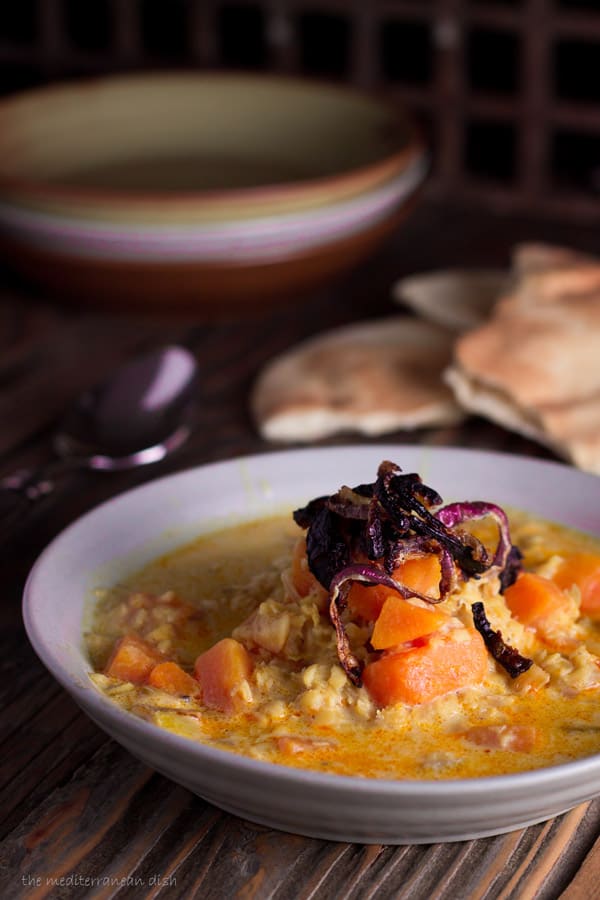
126	532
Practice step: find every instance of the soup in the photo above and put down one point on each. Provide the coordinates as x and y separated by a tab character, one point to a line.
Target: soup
418	668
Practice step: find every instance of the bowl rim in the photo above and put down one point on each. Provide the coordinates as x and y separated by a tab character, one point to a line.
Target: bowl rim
297	232
386	167
90	698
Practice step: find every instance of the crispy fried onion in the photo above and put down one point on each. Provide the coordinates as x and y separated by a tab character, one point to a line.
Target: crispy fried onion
512	567
509	658
409	548
364	533
507	557
406	501
339	588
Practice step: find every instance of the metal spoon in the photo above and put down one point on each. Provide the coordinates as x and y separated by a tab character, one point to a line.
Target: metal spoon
138	416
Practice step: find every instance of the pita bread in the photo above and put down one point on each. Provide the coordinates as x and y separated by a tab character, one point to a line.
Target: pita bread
534	367
572	431
372	378
458	299
575	431
539	354
461	299
531	257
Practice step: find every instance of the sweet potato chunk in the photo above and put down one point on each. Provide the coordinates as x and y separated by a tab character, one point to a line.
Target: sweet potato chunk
221	671
442	663
132	659
533	599
401	621
419	573
172	679
583	570
518	738
366	601
303	579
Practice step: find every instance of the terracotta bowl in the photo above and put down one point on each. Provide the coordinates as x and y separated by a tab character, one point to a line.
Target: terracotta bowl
195	188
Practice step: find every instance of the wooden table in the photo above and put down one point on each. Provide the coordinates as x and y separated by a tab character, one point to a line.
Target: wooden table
79	808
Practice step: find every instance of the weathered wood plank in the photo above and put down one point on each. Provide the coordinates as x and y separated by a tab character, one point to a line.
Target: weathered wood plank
586	882
21	674
76	805
489	858
20	713
57	838
529	878
46	769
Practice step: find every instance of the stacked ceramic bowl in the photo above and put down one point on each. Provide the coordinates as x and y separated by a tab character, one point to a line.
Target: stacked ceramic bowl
207	190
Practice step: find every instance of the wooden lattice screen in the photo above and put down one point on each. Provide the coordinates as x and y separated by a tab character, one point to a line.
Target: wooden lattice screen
508	91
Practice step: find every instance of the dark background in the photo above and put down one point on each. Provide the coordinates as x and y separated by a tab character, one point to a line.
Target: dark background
507	91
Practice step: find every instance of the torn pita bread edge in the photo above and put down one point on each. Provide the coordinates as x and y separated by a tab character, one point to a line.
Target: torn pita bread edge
492	403
461	299
538	351
311	425
529	257
579	425
583	450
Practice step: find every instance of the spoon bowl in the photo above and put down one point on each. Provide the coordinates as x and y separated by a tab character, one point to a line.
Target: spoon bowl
137	416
